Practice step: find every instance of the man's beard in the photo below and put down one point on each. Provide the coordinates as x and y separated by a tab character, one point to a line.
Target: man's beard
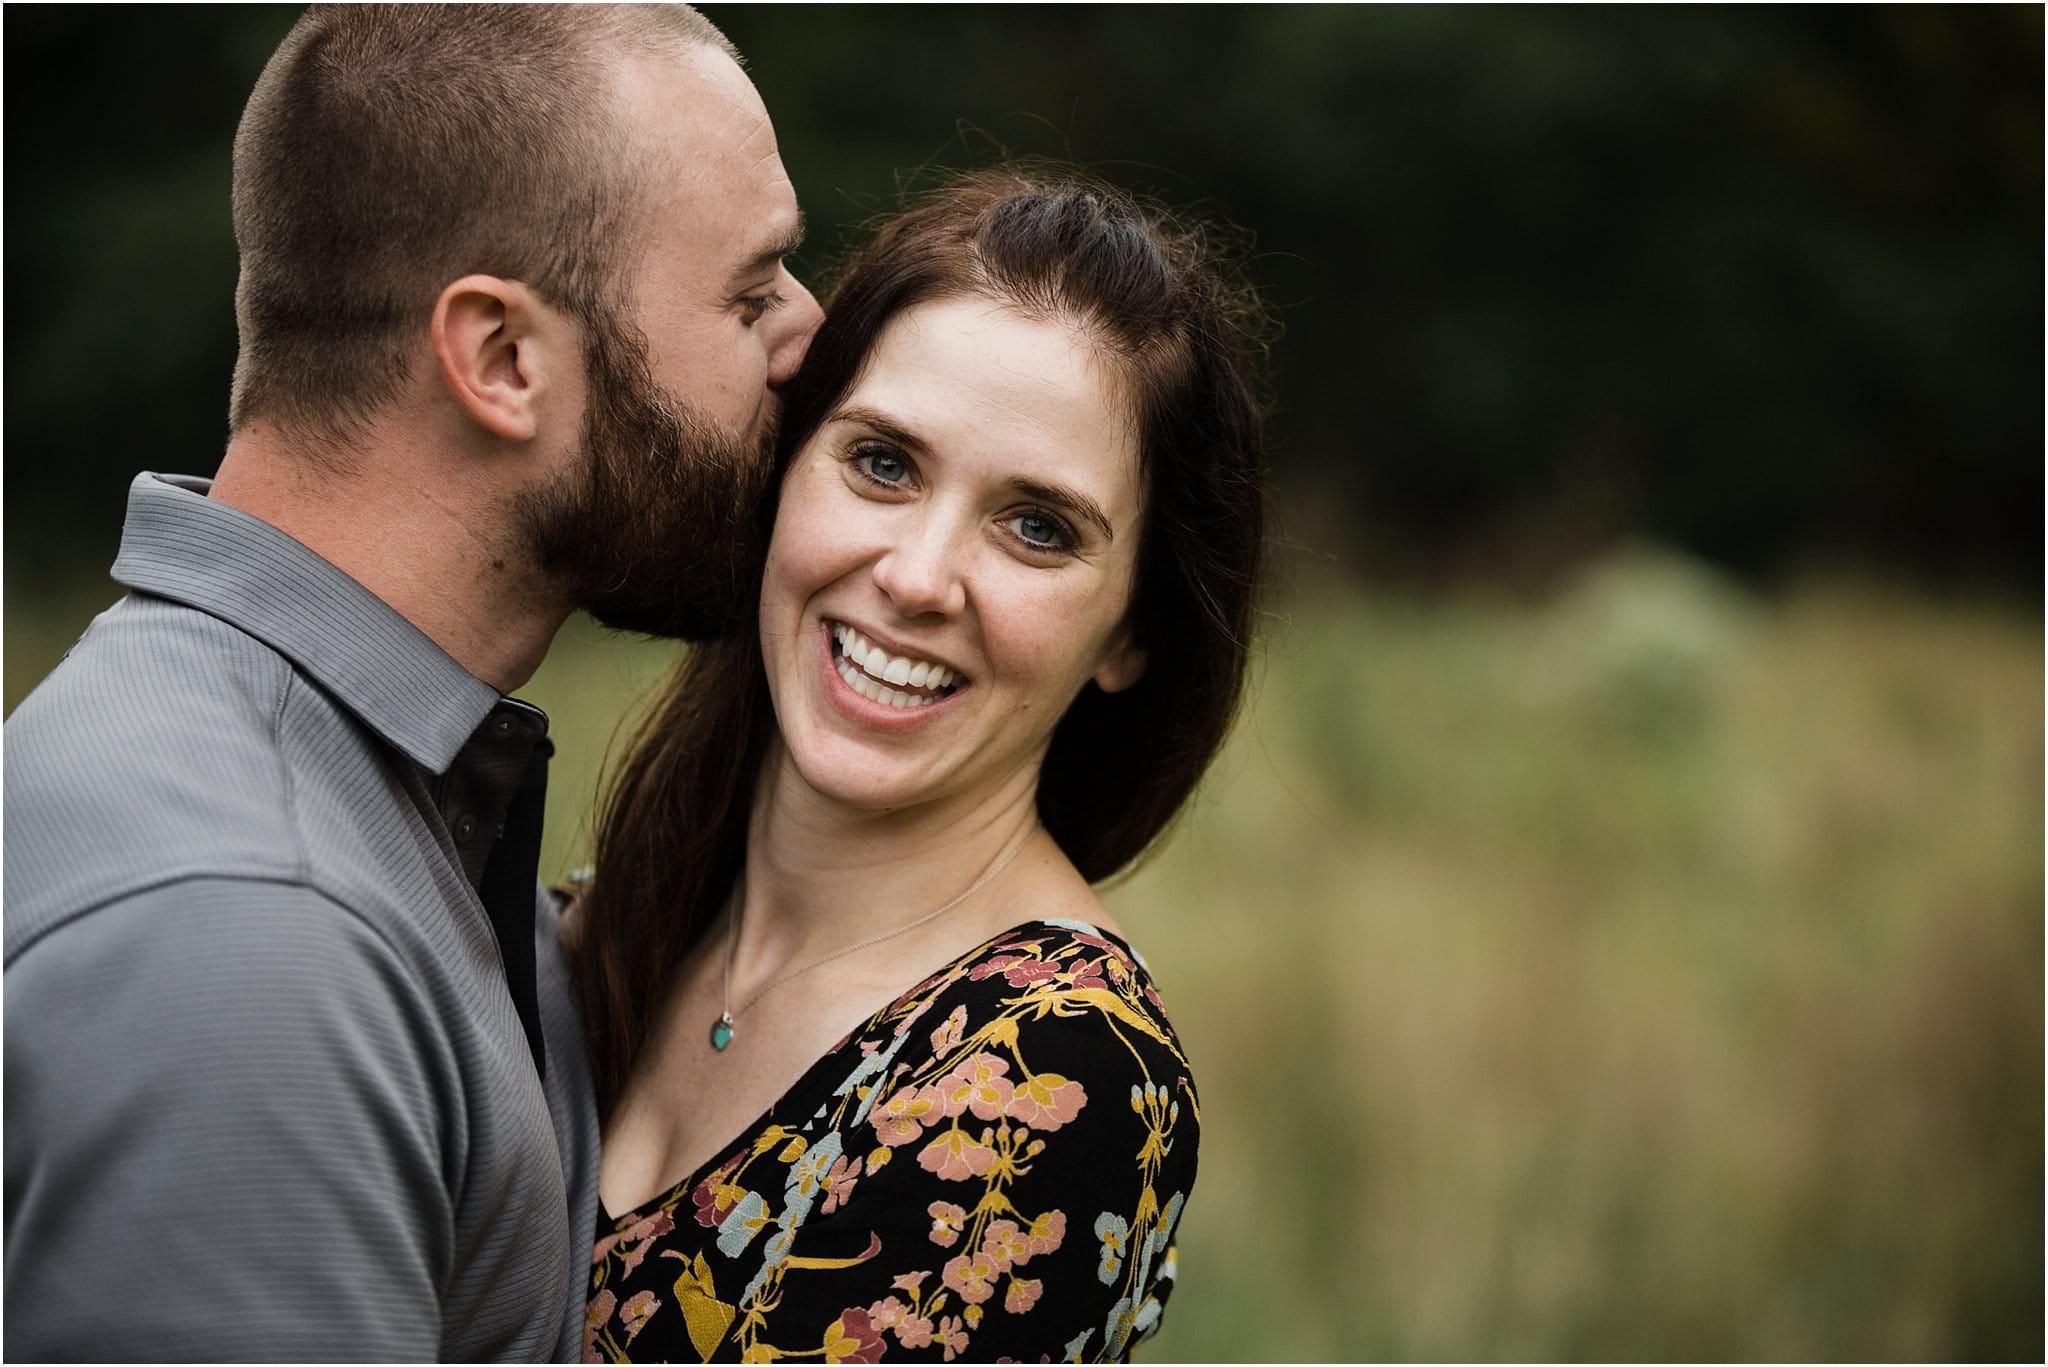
658	529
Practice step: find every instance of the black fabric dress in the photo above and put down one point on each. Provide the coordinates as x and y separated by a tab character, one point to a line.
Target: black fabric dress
991	1167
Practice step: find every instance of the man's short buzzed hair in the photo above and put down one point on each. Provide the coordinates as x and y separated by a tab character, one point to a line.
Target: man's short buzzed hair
389	150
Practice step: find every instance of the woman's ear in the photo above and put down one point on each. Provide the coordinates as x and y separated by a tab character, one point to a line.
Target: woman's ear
495	345
1123	663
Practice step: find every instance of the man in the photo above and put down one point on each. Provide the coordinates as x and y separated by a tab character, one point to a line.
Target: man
291	1070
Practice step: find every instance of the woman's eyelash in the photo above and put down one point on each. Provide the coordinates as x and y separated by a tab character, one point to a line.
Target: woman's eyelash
862	456
1064	540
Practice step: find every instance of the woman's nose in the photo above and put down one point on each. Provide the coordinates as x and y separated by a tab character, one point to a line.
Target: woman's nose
919	571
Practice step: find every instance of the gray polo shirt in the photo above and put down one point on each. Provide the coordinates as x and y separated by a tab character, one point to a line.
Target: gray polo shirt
267	1094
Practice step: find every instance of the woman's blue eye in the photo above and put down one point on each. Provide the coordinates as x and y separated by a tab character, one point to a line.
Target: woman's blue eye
883	465
1041	531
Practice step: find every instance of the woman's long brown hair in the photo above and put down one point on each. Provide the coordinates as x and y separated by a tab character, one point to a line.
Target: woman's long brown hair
1172	311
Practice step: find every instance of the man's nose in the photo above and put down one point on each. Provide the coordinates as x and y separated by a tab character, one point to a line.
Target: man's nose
799	316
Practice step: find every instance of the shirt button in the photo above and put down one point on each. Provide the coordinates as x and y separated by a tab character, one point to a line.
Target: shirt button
465	827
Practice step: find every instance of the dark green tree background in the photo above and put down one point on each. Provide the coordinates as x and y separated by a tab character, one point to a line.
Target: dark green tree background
1763	282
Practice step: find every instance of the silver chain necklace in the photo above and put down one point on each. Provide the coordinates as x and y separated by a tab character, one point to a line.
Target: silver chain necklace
722	1028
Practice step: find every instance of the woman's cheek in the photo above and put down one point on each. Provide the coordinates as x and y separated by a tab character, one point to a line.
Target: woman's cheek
1052	632
806	537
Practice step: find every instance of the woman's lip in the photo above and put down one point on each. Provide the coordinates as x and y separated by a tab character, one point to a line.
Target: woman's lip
867	710
890	647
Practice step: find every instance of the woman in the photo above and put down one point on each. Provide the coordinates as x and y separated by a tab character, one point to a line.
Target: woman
881	1078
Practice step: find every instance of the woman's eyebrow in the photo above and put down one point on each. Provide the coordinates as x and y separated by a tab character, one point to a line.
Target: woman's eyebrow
883	427
1070	501
1067	500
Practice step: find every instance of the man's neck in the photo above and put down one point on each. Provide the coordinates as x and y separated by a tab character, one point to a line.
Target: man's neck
443	556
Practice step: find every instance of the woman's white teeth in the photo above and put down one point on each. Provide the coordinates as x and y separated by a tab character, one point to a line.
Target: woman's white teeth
869	670
860	683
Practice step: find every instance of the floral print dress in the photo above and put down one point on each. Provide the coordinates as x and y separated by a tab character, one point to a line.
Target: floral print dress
990	1168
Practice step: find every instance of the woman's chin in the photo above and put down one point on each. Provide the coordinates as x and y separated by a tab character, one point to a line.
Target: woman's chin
861	782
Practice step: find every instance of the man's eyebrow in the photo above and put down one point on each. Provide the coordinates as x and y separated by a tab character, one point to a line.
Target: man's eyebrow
771	254
1071	501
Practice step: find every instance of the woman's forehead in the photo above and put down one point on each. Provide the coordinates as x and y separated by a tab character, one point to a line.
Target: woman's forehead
975	379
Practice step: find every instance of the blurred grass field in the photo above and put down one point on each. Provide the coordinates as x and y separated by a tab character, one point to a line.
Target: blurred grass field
1652	974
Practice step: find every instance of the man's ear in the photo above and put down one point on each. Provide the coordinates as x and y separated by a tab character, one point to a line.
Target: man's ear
1123	663
496	346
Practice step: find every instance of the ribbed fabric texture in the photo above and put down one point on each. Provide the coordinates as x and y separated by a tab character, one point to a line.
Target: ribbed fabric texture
267	1096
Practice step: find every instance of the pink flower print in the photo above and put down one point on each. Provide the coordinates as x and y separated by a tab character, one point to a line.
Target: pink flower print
953	1336
642	1236
1047	1233
1022	1295
594	1315
887	1314
714	1197
1030	972
972	1277
1085	973
1006	1245
1046	1101
636	1312
852	1338
904	1115
977	1085
839	1183
955	1158
914	1332
947	1222
951	1031
910	1281
1001	963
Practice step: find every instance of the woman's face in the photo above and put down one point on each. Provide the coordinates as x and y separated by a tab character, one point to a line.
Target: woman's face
952	559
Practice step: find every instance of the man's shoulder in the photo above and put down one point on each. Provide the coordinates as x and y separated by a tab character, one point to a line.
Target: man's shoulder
151	753
141	657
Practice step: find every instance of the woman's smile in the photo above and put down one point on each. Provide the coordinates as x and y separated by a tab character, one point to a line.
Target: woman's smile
871	684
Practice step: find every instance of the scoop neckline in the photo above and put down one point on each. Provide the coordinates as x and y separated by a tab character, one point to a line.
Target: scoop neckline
804	1080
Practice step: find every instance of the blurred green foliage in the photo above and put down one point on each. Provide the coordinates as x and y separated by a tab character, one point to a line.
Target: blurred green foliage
1655	974
1764	282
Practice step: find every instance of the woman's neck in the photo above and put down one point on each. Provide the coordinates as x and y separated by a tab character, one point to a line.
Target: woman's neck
821	875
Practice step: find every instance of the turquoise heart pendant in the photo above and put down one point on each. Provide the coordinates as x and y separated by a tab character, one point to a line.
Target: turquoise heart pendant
721	1033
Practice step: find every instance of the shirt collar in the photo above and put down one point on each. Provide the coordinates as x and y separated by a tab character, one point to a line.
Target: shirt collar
179	544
